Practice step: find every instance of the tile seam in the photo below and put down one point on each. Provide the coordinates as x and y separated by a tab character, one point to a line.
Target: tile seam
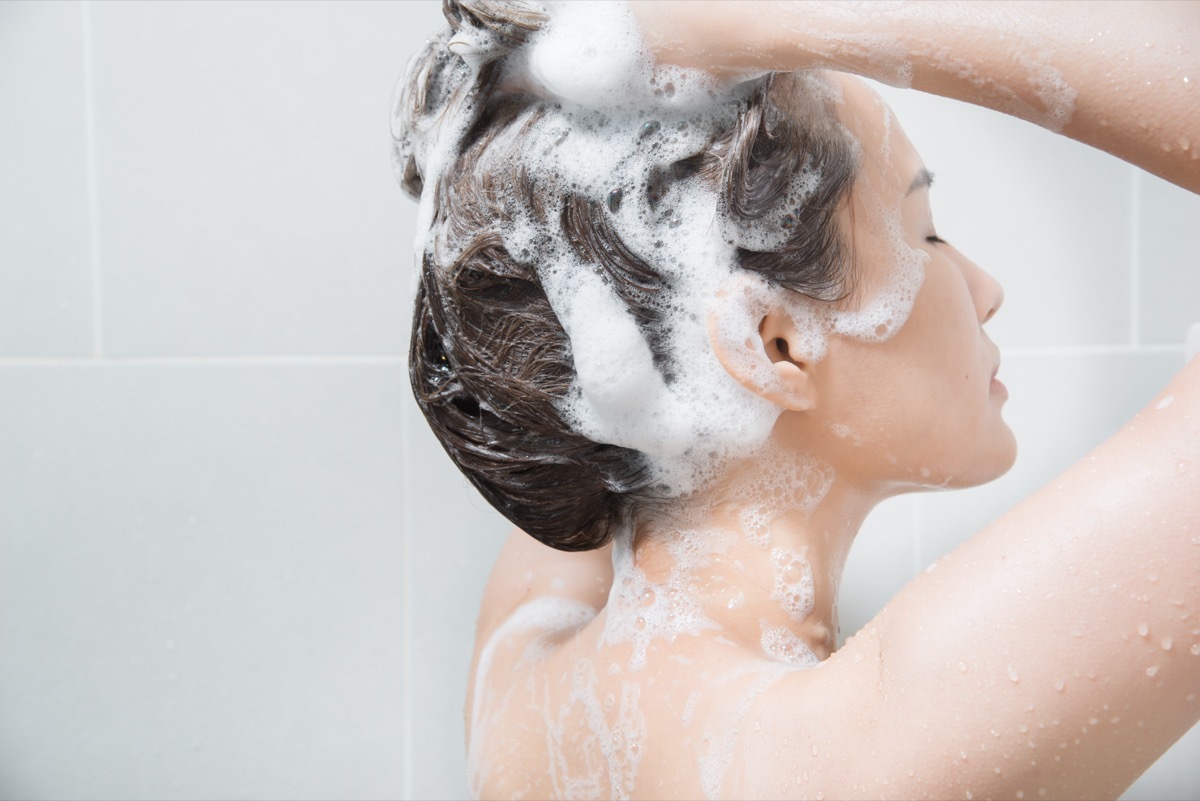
196	361
89	116
1135	243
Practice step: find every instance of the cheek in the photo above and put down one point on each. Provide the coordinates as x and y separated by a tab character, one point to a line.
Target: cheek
929	384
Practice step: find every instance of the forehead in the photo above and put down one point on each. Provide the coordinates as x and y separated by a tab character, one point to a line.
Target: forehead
889	161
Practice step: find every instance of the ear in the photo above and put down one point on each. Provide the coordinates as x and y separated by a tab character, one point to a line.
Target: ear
766	361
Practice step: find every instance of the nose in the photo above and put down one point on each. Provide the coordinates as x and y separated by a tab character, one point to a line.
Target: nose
985	290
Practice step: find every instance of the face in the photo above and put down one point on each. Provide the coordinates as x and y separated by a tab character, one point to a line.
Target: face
923	406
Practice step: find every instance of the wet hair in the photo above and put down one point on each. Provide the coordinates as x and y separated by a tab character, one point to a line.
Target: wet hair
489	361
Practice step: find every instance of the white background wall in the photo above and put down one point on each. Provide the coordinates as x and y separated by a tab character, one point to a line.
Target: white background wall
233	562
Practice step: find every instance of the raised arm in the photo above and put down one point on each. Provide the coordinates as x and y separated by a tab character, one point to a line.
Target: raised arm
1120	76
1060	648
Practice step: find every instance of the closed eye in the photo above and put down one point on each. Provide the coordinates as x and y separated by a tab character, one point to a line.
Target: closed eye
935	240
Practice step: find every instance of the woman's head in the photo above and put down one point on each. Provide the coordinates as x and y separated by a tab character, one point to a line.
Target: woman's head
922	407
589	332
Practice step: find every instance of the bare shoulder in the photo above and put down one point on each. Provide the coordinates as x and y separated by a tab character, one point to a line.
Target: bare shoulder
515	680
527	570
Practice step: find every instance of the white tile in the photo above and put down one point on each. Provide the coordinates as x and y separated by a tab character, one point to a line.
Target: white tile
45	233
1168	260
453	541
1174	777
200	586
247	201
1060	407
880	563
1050	218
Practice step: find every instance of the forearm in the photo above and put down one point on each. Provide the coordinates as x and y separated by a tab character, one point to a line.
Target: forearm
1118	76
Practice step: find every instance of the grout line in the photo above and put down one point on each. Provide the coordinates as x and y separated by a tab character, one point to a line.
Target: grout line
89	116
1135	243
195	361
406	731
917	539
1089	350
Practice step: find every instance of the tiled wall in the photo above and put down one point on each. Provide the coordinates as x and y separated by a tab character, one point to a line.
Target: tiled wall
233	562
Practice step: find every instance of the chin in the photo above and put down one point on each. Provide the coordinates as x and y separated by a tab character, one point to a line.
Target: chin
990	465
971	470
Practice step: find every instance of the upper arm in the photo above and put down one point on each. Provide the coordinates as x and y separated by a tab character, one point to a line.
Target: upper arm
1060	648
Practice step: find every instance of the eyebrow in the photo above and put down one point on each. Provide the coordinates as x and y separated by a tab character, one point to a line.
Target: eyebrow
924	178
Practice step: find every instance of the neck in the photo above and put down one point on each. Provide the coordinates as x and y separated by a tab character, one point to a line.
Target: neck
757	562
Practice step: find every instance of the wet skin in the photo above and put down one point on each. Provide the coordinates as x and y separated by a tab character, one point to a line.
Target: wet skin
920	409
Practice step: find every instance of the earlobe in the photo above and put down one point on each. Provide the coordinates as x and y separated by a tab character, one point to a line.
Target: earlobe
765	361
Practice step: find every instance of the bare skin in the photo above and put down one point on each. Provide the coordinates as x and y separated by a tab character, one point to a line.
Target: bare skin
1132	68
1055	654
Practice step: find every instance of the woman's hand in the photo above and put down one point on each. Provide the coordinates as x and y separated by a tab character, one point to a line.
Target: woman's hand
1120	76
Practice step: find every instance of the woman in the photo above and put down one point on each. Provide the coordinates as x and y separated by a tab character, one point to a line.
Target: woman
718	346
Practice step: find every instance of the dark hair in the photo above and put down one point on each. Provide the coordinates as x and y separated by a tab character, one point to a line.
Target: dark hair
489	361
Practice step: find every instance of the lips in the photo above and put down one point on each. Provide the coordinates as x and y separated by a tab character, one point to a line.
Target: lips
996	387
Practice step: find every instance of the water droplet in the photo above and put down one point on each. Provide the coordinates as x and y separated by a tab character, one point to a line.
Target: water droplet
1195	649
1012	675
814	749
1019	795
614	199
1060	686
1181	466
1167	642
1143	630
649	129
1152	671
647	597
1093	721
1152	578
962	666
641	623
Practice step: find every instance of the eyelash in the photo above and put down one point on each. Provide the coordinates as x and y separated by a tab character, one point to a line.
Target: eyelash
935	240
